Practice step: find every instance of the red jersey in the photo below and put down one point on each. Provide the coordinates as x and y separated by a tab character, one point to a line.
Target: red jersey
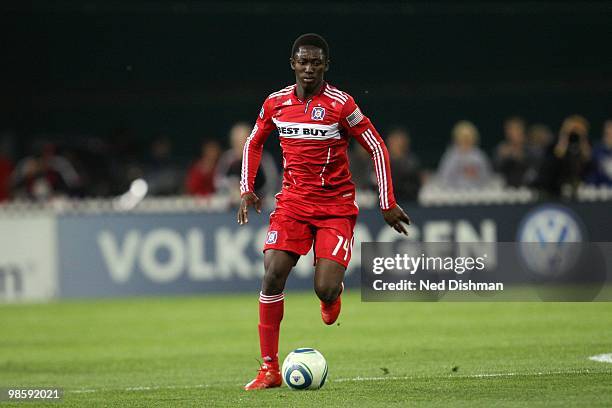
314	137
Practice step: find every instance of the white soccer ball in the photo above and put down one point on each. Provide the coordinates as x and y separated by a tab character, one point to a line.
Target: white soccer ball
304	369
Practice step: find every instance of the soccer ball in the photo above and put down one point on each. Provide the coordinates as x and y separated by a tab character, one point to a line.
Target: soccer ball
305	369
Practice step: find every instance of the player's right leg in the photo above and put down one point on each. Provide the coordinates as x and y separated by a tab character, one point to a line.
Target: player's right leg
287	239
277	265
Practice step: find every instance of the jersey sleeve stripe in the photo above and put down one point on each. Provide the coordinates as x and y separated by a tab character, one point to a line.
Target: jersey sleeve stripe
277	94
284	91
244	180
380	167
376	164
337	99
383	169
339	95
336	92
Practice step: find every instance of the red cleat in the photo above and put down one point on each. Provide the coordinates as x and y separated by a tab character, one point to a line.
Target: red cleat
331	311
269	376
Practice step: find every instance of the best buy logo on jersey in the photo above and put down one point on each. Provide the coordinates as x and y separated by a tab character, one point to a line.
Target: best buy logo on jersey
301	131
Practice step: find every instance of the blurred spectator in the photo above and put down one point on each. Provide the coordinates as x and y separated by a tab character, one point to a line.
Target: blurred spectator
44	175
200	179
464	165
90	156
123	159
602	158
6	168
404	165
360	164
229	168
161	172
567	161
539	138
511	156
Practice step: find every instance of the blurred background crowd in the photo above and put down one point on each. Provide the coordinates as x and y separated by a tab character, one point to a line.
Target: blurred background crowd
469	95
536	156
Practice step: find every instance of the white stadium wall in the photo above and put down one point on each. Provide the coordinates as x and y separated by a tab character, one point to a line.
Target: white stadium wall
46	254
28	258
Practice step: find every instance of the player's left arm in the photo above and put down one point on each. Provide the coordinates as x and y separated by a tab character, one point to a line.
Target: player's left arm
360	127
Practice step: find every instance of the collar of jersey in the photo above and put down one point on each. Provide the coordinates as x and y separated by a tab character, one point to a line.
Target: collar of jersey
294	96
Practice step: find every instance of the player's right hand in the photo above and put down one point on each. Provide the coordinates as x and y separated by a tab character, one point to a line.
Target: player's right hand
247	200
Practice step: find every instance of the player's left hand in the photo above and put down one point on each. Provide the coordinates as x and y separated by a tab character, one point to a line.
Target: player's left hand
394	217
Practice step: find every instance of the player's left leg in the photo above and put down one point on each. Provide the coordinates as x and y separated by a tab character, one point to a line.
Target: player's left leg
333	245
328	287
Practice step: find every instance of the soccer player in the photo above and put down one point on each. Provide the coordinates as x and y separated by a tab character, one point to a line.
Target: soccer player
316	205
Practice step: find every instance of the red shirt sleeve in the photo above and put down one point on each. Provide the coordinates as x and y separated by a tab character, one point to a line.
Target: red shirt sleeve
359	126
251	153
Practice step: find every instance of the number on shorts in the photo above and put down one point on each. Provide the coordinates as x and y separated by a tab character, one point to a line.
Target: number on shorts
345	244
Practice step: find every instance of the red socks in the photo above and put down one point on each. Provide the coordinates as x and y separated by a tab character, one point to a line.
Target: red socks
270	315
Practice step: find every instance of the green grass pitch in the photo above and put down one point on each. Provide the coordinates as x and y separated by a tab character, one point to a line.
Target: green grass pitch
200	351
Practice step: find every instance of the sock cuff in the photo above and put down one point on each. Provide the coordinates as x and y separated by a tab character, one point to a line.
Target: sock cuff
271	298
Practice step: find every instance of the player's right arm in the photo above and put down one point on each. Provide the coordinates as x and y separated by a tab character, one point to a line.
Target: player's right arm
251	157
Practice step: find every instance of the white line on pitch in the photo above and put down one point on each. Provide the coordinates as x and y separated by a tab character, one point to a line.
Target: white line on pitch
141	388
353	379
602	358
489	375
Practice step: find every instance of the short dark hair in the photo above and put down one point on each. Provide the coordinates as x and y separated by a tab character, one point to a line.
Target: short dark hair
312	39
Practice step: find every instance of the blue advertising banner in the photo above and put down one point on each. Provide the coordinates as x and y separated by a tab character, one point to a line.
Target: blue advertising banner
141	254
